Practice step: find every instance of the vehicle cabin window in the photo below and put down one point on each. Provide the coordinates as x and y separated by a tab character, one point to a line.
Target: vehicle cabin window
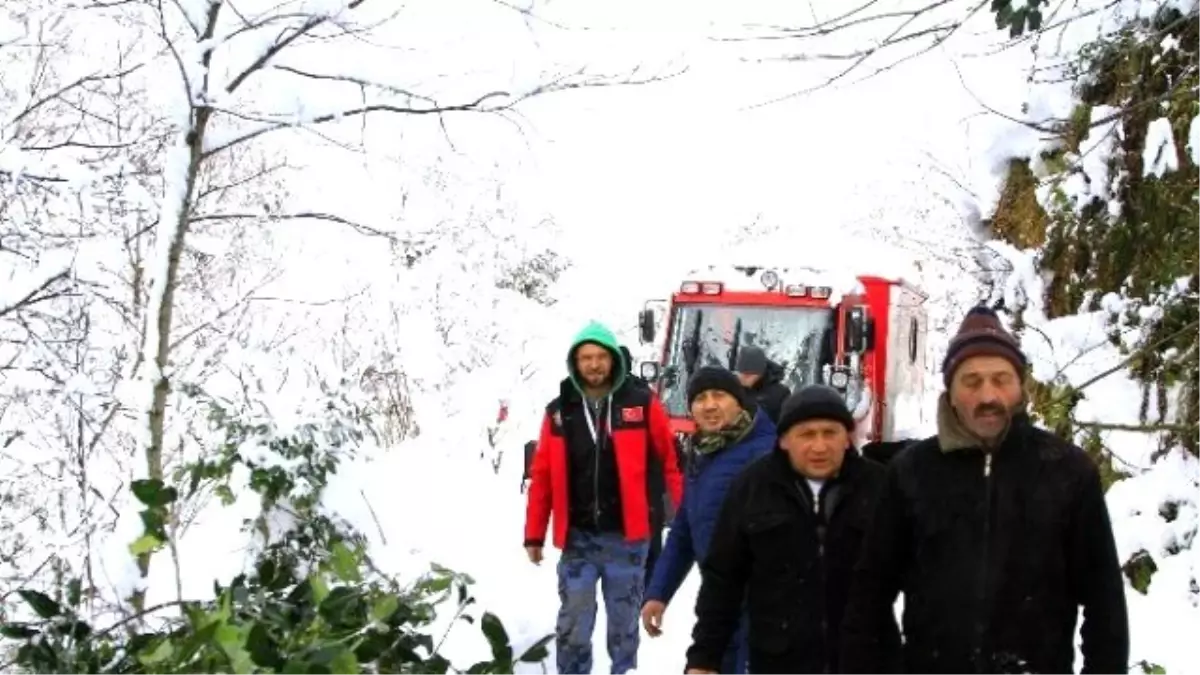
795	338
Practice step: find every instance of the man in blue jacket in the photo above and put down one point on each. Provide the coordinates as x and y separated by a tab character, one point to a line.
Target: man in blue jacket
731	432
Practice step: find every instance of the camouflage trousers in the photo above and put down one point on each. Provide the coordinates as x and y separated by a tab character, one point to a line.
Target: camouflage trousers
619	566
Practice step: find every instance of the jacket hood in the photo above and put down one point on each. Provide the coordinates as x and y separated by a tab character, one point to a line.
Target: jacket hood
597	333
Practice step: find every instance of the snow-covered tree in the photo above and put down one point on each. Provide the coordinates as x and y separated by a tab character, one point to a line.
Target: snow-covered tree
150	187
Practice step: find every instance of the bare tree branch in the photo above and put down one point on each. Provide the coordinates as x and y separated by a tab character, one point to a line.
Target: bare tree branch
350	79
940	34
850	19
35	105
304	215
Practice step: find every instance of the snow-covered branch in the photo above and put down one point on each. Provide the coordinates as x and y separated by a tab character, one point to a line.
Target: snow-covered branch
311	22
476	105
301	215
40	293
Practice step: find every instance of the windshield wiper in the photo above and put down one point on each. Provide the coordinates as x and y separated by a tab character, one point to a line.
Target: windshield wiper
736	344
691	348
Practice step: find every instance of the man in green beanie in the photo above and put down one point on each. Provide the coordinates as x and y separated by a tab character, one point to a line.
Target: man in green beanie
589	474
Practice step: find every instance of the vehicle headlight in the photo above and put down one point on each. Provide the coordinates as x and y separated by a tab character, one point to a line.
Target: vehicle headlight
840	379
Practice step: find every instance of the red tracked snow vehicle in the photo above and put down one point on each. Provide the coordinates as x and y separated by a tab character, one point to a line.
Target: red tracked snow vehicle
866	339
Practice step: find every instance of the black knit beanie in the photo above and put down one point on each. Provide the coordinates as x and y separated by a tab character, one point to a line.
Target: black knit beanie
712	377
814	402
982	334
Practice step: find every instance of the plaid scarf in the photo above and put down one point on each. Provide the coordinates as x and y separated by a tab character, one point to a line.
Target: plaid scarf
707	443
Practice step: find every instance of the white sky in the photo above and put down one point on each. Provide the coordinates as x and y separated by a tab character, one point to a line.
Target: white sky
670	168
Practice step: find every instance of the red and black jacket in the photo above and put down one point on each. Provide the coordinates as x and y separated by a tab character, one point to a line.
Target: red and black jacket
599	484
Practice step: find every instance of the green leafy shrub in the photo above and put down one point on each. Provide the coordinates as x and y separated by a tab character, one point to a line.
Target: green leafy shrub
314	602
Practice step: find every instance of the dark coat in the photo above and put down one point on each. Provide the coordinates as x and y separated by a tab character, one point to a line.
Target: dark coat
704	490
770	392
790	555
994	552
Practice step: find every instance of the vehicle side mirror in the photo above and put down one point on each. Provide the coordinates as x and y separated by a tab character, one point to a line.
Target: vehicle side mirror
646	326
859	331
649	370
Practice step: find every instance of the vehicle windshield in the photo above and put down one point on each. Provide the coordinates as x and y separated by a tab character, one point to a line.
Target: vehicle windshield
798	339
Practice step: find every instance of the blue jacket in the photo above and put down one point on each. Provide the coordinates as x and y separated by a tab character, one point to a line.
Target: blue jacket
708	480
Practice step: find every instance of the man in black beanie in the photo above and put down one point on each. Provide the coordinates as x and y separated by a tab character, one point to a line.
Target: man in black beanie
787	539
730	435
998	532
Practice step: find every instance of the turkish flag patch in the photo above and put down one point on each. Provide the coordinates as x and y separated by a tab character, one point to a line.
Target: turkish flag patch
632	415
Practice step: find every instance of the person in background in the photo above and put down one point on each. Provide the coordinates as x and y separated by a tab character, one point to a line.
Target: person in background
731	432
763	379
656	488
588	475
633	376
786	541
996	531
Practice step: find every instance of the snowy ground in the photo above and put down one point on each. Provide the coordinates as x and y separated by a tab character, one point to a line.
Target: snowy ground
454	510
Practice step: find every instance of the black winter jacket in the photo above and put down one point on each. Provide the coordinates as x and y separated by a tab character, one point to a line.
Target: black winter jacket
791	557
594	487
770	392
994	553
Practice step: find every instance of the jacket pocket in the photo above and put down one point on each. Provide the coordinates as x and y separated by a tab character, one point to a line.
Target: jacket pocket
767	534
781	567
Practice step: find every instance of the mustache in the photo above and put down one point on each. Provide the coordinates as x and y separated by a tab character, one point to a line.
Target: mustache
990	409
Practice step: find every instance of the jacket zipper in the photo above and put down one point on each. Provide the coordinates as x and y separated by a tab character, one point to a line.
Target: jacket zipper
821	531
596	459
981	626
820	527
